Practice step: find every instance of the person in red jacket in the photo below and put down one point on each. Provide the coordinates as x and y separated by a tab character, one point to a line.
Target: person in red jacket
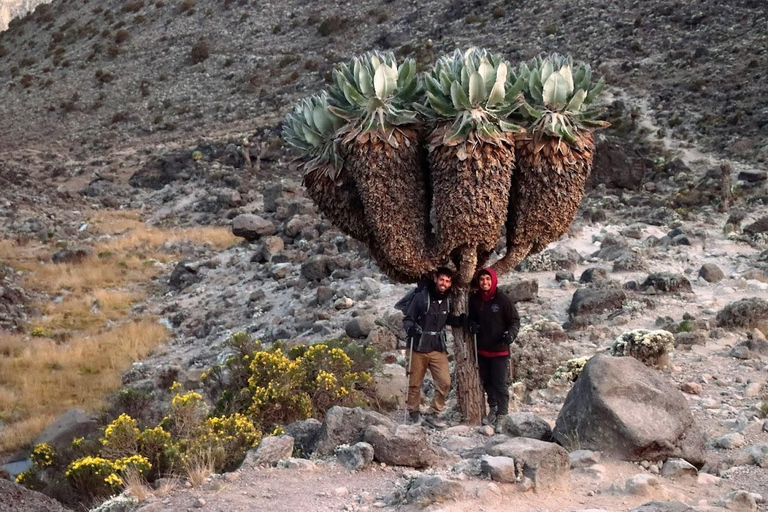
494	321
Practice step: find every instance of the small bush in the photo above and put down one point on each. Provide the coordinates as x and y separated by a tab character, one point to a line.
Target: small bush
3	51
121	36
133	6
330	26
187	6
26	62
200	51
119	117
26	81
498	12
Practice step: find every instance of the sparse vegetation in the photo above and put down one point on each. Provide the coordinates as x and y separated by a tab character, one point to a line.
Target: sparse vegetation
330	26
200	51
121	36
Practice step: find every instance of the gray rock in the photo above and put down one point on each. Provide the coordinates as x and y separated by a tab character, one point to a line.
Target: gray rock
382	339
360	327
520	291
343	425
272	246
739	500
756	454
752	176
325	295
711	273
663	506
370	286
564	275
584	458
297	464
759	226
730	441
757	345
16	498
623	408
252	227
747	313
464	446
593	274
629	261
428	489
272	192
617	165
389	385
317	268
498	469
304	434
526	424
546	464
667	282
270	450
184	274
405	445
589	301
298	224
676	468
641	485
355	457
688	339
73	423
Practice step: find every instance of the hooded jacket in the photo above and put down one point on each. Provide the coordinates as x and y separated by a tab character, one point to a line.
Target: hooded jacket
495	314
431	311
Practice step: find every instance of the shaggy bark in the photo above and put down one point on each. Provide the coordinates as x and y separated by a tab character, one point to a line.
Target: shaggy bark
471	183
393	188
469	391
546	191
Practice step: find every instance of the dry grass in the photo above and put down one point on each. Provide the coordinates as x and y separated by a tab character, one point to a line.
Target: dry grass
199	468
135	485
90	303
41	379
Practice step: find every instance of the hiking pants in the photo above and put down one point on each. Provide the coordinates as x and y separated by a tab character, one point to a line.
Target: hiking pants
493	374
437	364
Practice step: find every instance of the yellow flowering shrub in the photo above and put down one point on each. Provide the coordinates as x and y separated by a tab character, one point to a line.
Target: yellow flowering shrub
100	477
276	388
43	455
159	447
186	414
121	438
227	438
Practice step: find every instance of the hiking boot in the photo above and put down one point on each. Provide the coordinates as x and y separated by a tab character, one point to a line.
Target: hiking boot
490	418
497	423
433	421
414	418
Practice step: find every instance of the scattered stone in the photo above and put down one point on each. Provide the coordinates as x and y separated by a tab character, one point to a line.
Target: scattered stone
340	492
343	425
752	176
730	441
759	226
692	388
756	454
252	227
711	273
73	423
676	468
642	485
382	339
747	313
593	274
564	275
498	469
343	303
546	464
603	410
304	434
486	430
15	498
525	424
689	339
405	445
589	301
663	506
584	458
360	326
521	291
428	489
184	274
739	500
270	450
667	282
316	268
297	464
70	255
355	457
370	286
390	384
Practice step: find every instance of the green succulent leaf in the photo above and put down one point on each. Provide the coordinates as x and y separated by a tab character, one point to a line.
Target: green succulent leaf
576	101
459	97
555	91
476	89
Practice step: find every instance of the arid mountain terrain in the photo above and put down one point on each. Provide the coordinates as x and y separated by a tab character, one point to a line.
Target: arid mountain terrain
133	132
10	9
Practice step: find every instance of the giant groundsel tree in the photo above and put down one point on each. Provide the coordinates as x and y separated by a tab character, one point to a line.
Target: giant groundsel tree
428	169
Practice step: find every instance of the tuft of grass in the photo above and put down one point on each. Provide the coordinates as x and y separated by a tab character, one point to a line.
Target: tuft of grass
41	379
199	468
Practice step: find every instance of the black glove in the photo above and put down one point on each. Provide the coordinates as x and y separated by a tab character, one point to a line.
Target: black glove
474	328
507	338
462	318
414	332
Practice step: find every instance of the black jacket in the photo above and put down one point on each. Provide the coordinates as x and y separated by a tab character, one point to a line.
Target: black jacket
494	317
431	313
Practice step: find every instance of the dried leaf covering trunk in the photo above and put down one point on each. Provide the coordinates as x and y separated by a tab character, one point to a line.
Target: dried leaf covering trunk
471	183
546	193
469	390
340	202
393	188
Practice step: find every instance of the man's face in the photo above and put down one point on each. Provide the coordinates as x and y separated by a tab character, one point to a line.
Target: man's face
442	283
485	282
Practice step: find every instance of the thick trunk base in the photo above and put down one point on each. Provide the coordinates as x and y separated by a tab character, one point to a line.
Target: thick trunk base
469	390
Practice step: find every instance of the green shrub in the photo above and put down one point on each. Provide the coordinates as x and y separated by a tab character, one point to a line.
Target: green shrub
121	437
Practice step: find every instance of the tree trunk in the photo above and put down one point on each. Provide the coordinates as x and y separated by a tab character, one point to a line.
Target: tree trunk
469	391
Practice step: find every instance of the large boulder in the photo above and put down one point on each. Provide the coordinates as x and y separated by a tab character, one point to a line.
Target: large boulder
520	291
355	457
546	464
304	434
498	469
428	489
390	384
591	301
73	423
343	425
667	282
15	498
624	409
405	445
749	313
617	165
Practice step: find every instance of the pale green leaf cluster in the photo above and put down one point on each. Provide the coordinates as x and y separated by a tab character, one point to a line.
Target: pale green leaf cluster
312	128
557	95
374	93
475	91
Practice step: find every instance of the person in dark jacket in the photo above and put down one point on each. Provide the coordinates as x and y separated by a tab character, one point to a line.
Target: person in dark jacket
494	321
424	322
